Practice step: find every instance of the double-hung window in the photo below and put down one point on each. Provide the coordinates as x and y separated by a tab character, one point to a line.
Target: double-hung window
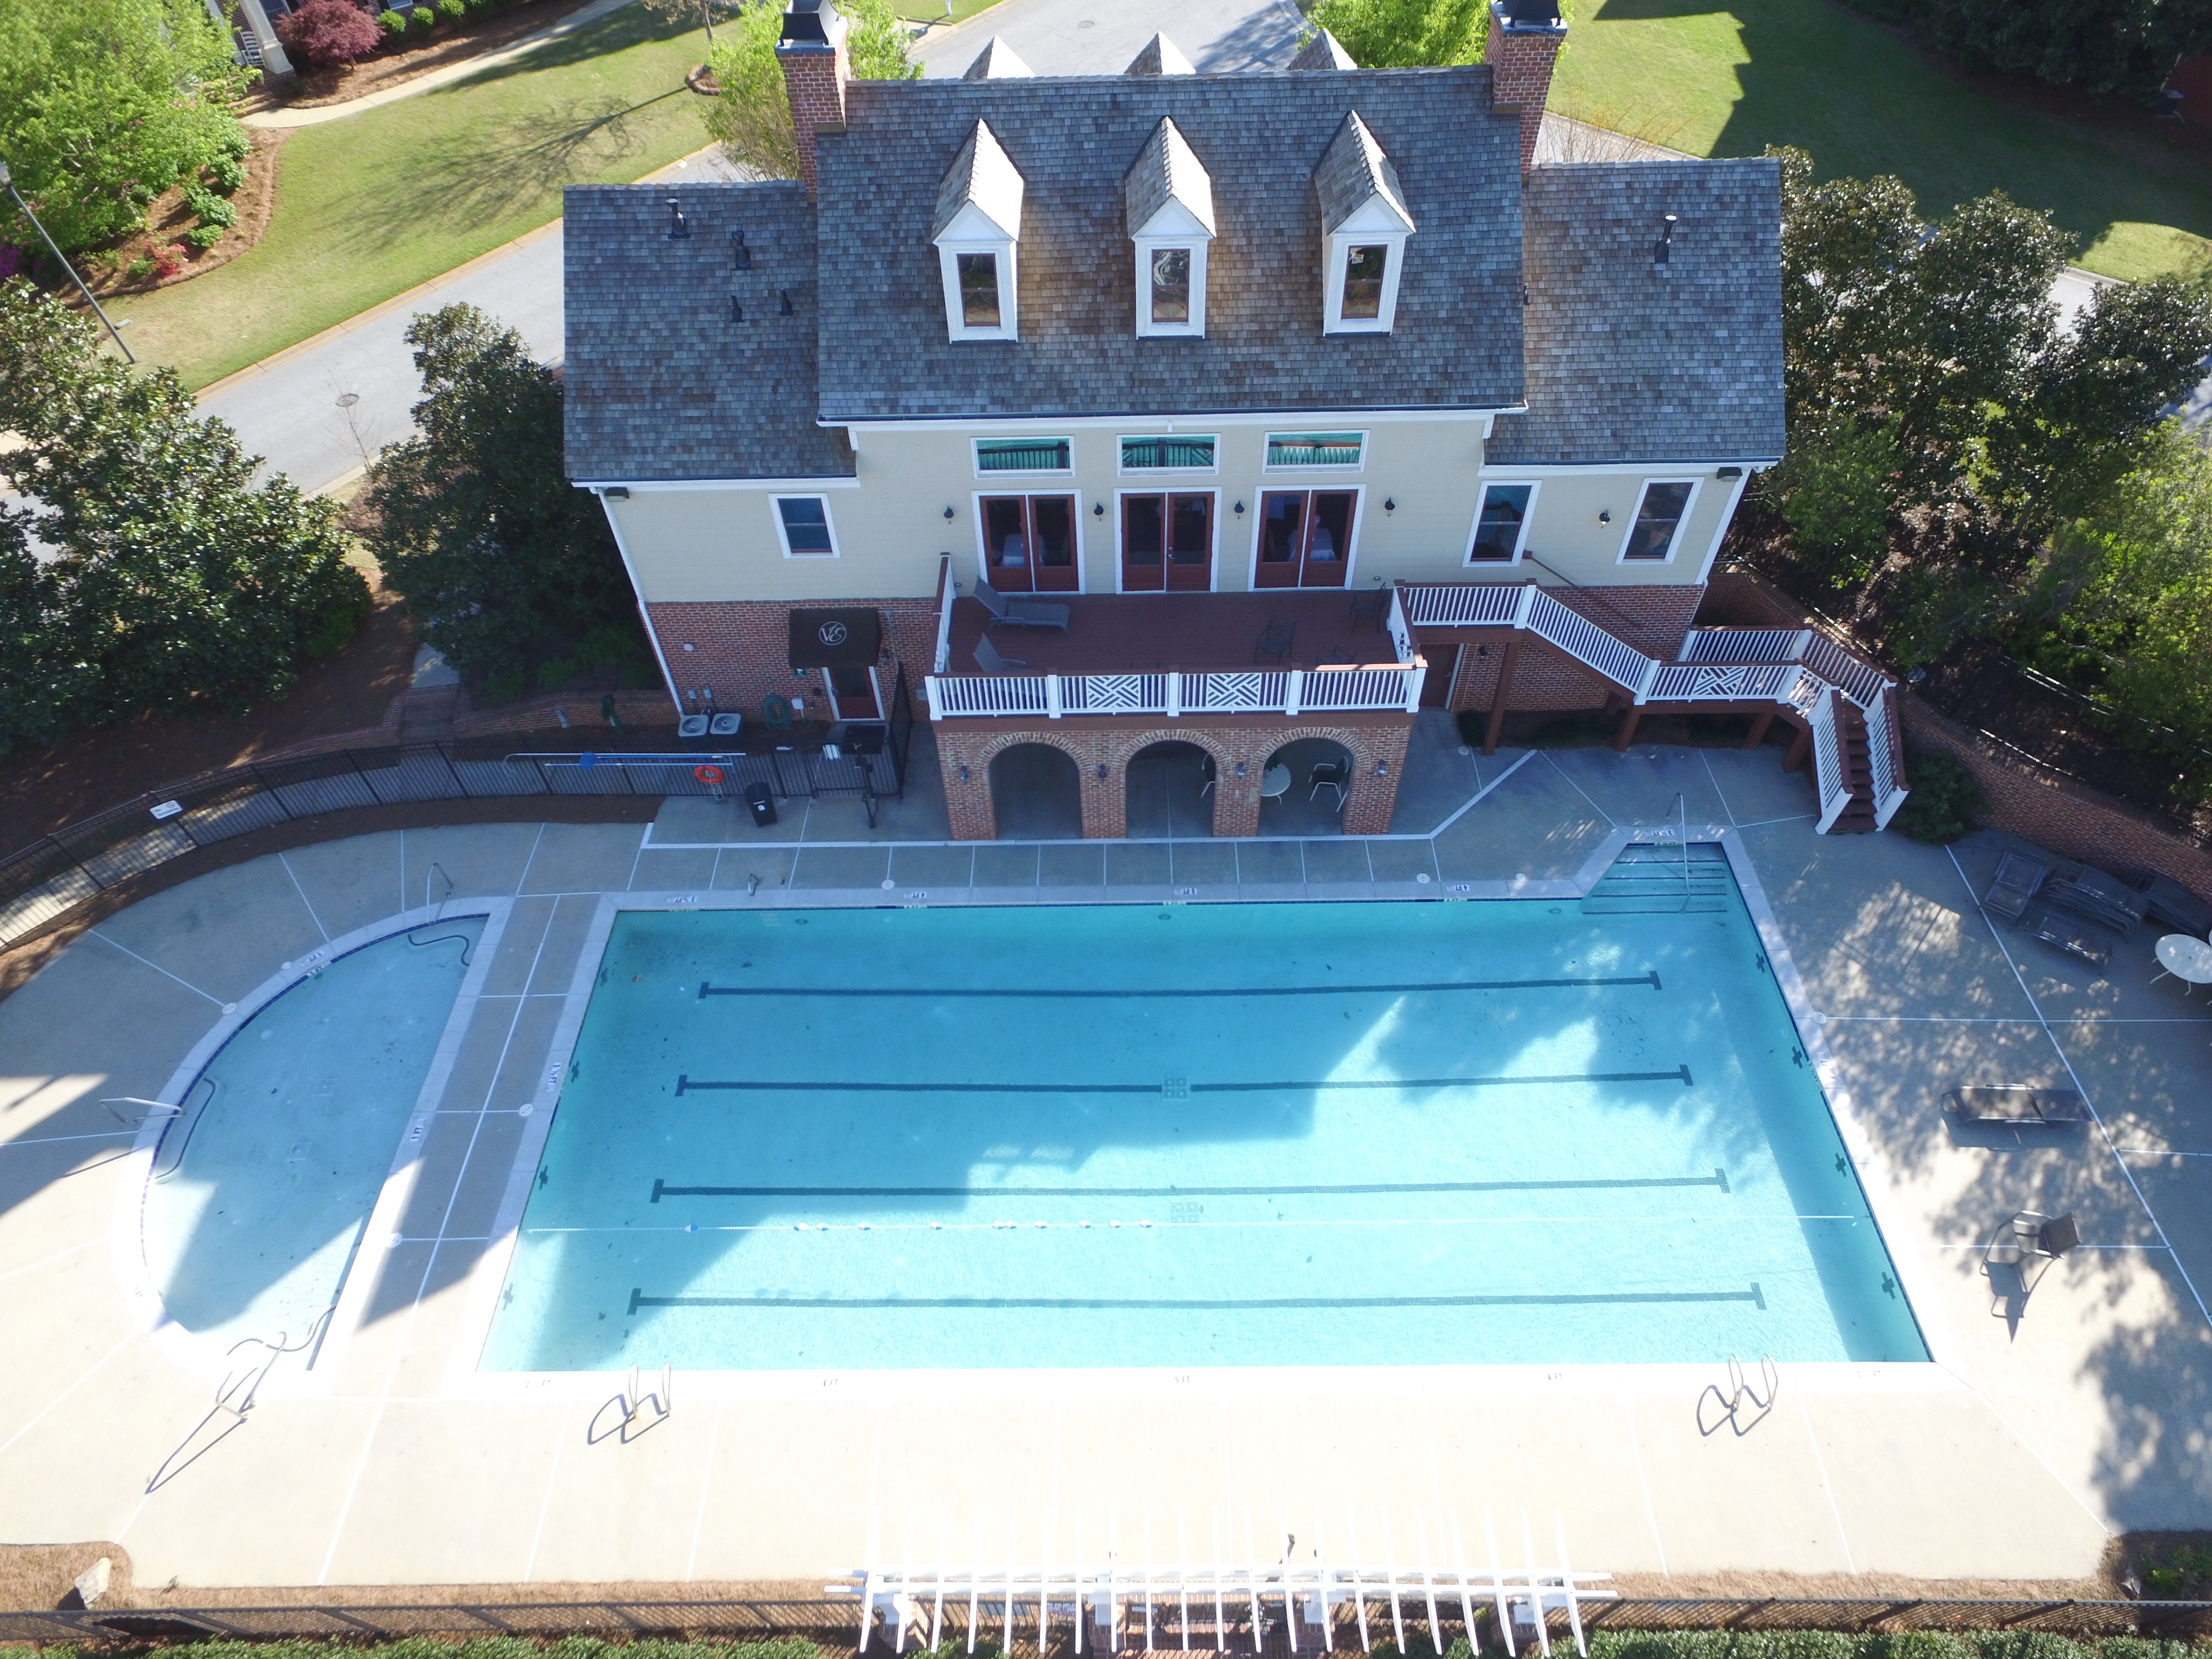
803	523
1658	519
1501	526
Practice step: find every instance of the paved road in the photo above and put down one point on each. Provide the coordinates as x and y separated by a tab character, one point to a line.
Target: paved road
1099	37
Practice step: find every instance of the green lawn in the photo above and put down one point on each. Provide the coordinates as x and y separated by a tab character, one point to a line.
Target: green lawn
936	11
369	206
1728	77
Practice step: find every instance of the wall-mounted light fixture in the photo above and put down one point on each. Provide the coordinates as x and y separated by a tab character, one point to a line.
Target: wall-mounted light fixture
1390	504
1382	769
963	775
1605	515
948	515
688	647
1102	771
1097	509
1239	768
1240	510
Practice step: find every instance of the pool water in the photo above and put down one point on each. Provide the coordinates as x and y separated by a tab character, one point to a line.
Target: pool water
1231	1135
261	1190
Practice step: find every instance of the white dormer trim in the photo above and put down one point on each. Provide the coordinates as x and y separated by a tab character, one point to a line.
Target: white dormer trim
1363	207
979	215
1168	198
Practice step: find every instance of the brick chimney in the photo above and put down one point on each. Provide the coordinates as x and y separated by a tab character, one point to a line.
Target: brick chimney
1525	37
815	70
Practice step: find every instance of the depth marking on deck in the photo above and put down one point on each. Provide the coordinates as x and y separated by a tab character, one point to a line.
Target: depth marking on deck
1154	994
1717	1178
638	1299
686	1084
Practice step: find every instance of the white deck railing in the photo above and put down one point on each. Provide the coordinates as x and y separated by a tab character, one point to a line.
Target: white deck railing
946	588
1828	760
1881	757
1293	691
1745	644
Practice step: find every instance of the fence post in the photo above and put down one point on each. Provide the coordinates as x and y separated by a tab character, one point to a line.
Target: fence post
452	771
268	789
1293	691
1174	696
1052	707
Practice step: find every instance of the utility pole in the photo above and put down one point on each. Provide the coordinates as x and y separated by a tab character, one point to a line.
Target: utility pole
7	182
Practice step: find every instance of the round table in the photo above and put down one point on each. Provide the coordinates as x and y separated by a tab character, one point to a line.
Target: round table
1276	783
2187	957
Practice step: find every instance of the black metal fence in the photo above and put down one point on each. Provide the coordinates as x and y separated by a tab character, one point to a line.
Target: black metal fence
836	1623
49	878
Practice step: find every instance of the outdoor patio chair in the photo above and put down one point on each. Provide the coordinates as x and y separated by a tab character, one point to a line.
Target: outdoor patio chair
1207	789
2093	896
1275	642
2015	1103
1020	613
1369	607
989	659
2167	901
1327	774
2017	879
2028	1245
2072	934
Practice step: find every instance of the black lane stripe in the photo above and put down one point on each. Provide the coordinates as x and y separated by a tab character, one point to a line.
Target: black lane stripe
688	1085
707	990
638	1299
1717	1178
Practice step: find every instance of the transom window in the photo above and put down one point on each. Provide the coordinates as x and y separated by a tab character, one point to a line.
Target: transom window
1167	454
1029	544
1315	448
1024	455
1305	537
1503	523
1657	519
1171	285
1167	543
1364	268
805	522
979	290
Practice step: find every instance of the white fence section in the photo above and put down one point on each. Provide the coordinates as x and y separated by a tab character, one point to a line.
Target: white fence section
1745	644
1881	757
1827	760
1116	1607
1488	605
1290	692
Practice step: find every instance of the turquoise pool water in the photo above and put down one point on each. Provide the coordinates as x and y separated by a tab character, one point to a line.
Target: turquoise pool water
260	1191
1309	1134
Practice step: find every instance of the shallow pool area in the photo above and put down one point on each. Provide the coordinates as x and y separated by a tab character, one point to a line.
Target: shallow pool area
260	1189
1485	1132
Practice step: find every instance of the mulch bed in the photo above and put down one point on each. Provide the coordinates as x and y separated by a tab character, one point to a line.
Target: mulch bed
449	43
168	219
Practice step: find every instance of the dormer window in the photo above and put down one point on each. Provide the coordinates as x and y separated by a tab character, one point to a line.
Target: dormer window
1169	199
978	226
1365	226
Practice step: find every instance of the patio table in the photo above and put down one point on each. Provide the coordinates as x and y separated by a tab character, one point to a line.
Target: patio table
2187	957
1276	783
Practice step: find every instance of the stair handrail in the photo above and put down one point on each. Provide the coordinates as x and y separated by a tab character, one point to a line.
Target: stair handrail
1881	758
1828	759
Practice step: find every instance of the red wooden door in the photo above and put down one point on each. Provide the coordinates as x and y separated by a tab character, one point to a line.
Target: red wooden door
1143	543
1305	537
1190	543
1006	544
1029	544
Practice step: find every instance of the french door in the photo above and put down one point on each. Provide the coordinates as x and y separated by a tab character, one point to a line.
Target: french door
1167	544
1305	537
852	693
1029	544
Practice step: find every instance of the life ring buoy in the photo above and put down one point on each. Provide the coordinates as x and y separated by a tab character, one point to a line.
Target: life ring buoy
707	774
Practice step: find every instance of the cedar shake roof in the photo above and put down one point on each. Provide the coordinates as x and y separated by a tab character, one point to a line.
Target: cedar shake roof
659	381
997	62
1353	173
1166	170
1322	53
979	176
1261	136
1626	364
1159	56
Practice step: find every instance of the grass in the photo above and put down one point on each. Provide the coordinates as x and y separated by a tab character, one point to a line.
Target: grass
370	205
1728	77
934	11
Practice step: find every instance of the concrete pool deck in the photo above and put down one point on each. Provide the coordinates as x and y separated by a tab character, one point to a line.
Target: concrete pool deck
2042	1428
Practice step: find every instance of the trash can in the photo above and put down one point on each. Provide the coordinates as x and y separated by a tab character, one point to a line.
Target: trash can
760	800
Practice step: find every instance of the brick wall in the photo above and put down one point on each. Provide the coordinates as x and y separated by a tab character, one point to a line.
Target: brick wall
1520	62
741	650
814	77
1546	678
1376	741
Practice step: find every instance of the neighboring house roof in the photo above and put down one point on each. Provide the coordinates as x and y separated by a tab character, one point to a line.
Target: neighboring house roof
885	354
997	62
1160	56
1625	363
660	382
1322	53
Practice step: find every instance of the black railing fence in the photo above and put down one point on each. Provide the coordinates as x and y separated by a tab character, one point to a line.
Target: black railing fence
834	1622
61	871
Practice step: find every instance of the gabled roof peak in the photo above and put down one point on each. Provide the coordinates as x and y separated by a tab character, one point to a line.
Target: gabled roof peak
1353	173
982	180
1159	56
1323	51
1168	171
997	62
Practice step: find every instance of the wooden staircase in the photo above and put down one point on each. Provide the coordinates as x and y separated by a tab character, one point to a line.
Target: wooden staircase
1858	817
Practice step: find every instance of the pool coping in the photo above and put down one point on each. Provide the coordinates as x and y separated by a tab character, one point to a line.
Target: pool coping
1941	1372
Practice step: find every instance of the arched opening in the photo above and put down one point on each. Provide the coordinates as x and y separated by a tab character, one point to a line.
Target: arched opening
1171	791
1036	794
1302	788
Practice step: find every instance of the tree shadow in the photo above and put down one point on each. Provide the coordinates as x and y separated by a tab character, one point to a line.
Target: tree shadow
1265	40
626	27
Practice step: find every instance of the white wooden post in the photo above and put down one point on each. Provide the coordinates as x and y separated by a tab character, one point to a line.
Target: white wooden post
1650	677
1414	675
1174	696
1052	695
929	685
1525	605
1294	688
1804	644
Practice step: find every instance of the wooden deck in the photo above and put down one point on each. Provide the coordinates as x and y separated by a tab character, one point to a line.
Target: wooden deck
1162	632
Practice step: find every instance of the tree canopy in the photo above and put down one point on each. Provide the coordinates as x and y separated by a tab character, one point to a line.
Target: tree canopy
144	570
105	104
752	118
473	521
2126	47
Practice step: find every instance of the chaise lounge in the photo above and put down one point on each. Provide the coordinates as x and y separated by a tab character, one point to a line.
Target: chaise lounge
2016	1103
1020	613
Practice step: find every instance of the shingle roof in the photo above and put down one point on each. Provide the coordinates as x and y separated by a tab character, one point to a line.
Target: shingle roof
980	177
1626	364
1159	56
1458	343
660	382
997	62
1323	51
1166	171
1353	172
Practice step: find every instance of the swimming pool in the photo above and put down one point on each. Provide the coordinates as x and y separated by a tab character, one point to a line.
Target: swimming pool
259	1190
1224	1136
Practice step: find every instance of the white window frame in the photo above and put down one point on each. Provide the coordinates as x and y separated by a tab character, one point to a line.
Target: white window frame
1332	469
975	500
1338	254
1195	244
1258	518
1675	543
1164	485
948	259
1123	469
976	455
783	536
1536	489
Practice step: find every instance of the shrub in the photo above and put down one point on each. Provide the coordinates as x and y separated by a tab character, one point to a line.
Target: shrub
200	238
168	260
393	23
422	17
210	207
225	175
234	143
453	11
329	32
1943	806
139	268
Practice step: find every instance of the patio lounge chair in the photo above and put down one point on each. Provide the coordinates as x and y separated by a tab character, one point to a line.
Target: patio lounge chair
1020	613
2071	935
2167	901
2016	1103
989	659
2093	896
2017	879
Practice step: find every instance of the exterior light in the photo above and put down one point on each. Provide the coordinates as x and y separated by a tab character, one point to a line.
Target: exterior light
948	515
1240	510
1102	771
1382	769
963	775
1604	516
1239	768
1390	504
1098	509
